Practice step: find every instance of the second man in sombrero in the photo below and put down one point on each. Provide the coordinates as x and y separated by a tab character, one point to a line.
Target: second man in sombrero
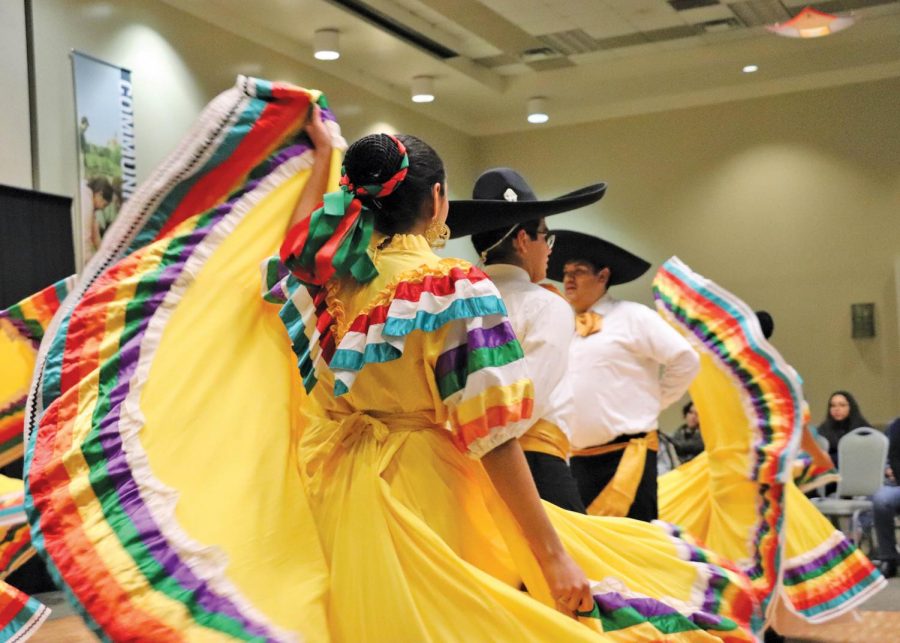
626	365
506	221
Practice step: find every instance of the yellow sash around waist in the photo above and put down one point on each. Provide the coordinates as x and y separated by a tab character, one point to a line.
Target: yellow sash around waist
617	496
546	437
325	439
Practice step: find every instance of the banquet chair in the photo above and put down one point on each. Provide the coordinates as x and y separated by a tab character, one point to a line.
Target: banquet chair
862	454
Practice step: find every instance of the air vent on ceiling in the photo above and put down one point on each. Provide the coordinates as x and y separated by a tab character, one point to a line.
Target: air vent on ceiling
569	43
684	5
385	22
536	54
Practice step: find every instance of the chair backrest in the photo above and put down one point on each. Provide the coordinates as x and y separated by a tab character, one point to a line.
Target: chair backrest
862	454
666	458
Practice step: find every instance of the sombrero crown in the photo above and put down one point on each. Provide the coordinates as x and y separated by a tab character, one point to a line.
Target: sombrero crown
502	198
578	246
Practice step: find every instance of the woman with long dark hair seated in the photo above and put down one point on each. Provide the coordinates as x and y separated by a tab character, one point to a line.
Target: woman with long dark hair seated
843	416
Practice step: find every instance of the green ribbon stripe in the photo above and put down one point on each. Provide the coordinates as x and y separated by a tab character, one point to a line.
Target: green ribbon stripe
100	477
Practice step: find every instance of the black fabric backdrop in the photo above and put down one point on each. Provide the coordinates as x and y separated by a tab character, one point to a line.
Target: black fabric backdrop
36	250
36	246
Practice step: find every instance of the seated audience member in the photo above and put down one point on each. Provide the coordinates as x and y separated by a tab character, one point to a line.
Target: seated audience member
843	416
687	438
886	503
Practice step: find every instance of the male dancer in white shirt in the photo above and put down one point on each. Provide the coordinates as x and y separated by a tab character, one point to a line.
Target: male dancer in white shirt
510	234
626	365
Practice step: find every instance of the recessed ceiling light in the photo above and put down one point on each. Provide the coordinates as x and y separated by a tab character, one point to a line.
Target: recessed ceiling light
537	110
325	43
749	69
422	89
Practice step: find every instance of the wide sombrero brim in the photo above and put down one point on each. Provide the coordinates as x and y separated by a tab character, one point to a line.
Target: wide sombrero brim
472	216
578	246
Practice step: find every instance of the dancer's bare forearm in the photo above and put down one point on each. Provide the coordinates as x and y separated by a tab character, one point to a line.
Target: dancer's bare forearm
318	178
509	472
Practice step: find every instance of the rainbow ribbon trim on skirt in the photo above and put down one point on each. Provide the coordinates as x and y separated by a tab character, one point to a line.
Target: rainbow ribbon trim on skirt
109	539
723	327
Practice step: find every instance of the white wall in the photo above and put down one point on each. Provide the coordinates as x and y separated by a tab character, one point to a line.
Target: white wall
15	155
179	63
792	202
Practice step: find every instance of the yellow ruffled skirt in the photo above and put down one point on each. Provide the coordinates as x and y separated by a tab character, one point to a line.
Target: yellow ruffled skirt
737	497
824	574
420	547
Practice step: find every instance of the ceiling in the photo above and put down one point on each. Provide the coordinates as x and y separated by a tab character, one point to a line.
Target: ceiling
591	59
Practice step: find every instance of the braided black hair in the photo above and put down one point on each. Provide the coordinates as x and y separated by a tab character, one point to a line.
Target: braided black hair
375	158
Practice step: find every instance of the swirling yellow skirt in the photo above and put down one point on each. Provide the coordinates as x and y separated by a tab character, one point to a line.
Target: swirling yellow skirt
738	497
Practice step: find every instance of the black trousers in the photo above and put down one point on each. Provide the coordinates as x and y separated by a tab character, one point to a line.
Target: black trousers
554	480
593	473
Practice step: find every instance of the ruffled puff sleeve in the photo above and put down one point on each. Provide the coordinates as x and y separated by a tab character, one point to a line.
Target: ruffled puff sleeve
480	370
482	377
302	313
275	286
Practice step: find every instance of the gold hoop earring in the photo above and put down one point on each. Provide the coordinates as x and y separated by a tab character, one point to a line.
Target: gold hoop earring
437	234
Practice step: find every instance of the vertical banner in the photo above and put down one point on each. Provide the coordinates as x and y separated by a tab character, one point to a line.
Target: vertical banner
104	118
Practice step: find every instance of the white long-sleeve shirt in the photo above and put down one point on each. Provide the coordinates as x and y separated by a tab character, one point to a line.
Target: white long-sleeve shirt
626	373
544	324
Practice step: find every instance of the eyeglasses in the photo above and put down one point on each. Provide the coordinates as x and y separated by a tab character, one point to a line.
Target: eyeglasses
549	238
575	273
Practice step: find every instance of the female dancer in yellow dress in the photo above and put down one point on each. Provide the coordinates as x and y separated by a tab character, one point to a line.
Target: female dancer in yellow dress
182	485
738	497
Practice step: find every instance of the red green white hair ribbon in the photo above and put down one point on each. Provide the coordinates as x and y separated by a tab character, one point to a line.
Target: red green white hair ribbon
333	241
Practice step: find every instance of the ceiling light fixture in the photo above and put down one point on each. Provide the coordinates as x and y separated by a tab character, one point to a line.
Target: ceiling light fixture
749	69
537	110
325	43
811	23
422	89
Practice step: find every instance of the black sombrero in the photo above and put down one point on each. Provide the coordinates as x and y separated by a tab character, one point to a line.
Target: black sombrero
578	246
502	198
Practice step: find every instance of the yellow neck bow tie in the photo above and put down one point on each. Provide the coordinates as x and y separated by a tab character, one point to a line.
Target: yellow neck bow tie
588	323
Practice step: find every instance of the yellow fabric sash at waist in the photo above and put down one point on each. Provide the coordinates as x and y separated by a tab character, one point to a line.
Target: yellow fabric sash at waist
616	498
546	437
652	439
327	437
